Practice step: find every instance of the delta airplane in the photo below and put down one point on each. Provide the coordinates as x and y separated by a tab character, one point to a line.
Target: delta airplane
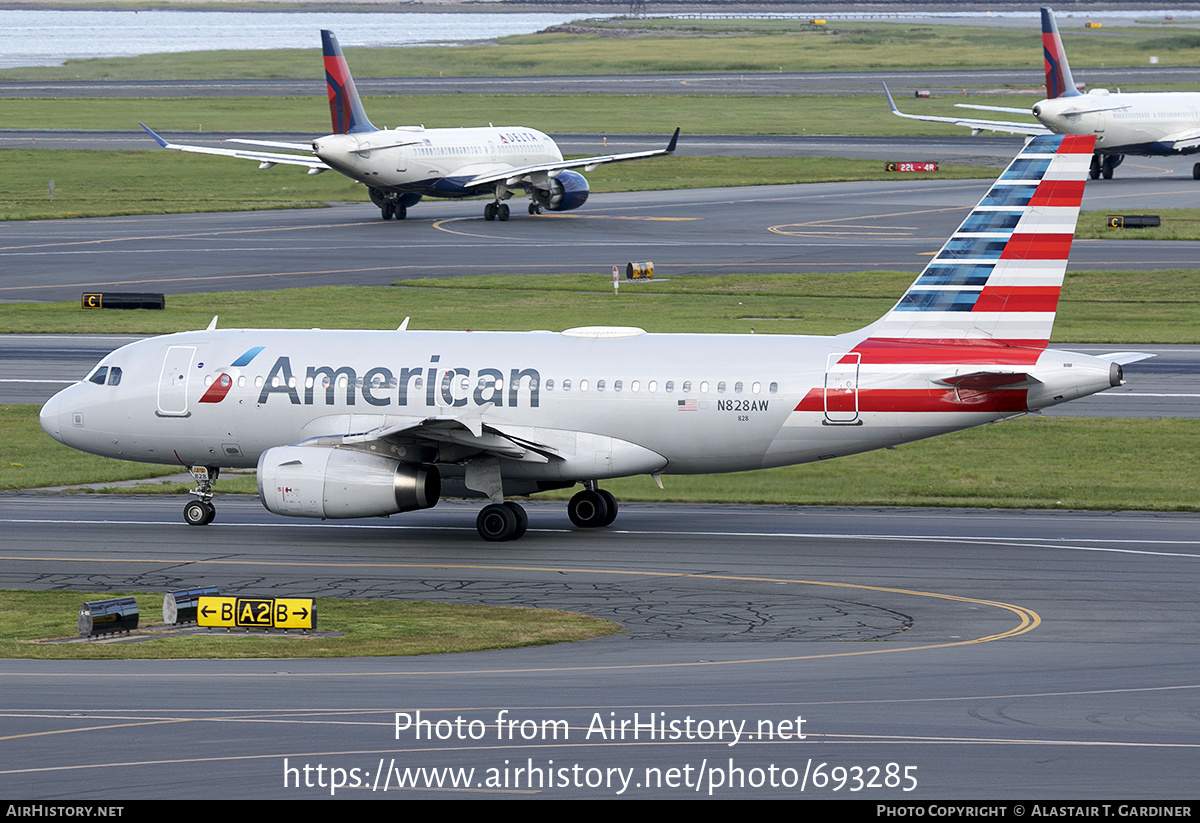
400	166
371	423
1151	124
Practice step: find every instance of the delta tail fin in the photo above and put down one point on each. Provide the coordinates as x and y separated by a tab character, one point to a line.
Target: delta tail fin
345	108
1059	82
997	279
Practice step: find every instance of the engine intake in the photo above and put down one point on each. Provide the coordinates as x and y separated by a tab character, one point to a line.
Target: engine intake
569	190
314	481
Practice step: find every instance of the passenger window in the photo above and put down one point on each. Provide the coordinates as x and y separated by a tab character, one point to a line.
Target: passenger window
99	376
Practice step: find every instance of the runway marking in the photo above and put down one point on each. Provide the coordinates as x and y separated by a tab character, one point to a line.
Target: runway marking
440	225
857	230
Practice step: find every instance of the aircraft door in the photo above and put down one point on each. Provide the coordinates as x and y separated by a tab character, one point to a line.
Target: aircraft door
173	382
841	389
402	158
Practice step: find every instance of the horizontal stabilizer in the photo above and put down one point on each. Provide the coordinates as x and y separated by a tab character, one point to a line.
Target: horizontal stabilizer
1123	358
990	380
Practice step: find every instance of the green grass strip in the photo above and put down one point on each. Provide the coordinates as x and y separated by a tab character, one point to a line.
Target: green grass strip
103	184
368	628
648	46
1095	307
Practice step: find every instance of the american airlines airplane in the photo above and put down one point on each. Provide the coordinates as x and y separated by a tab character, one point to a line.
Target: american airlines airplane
400	166
371	423
1140	123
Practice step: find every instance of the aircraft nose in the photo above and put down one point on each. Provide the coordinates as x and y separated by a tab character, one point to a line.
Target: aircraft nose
52	417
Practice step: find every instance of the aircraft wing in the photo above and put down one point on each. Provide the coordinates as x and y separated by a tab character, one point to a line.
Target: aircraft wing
1183	140
466	430
978	107
585	163
273	144
976	126
265	158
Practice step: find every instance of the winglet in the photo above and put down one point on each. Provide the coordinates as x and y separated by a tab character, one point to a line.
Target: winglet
345	109
891	102
150	132
674	140
1059	82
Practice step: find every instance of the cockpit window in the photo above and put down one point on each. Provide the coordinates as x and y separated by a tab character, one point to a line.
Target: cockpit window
99	376
114	376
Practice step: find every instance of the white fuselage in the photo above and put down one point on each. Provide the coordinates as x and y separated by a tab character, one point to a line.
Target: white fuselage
600	402
1127	123
434	161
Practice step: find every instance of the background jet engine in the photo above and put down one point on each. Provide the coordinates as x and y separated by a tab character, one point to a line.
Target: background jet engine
569	190
314	481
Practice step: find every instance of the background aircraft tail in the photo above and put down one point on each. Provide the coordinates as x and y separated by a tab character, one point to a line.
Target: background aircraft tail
997	279
345	108
1059	82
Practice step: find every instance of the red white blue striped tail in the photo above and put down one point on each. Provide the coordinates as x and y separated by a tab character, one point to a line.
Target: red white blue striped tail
999	276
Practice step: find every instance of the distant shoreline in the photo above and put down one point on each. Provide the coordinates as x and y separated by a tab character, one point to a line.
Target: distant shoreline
613	7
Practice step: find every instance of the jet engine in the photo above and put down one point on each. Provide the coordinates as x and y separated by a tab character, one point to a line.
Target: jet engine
569	190
315	481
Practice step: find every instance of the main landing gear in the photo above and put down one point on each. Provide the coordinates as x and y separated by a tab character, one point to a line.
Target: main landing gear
201	511
591	508
496	211
390	210
1104	164
502	521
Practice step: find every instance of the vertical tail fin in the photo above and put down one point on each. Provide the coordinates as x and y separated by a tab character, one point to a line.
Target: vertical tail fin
998	277
345	108
1059	82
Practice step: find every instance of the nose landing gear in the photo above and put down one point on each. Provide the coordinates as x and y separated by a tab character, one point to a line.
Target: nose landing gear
201	512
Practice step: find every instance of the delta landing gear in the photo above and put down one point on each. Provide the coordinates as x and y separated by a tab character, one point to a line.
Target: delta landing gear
1104	164
201	511
390	210
496	211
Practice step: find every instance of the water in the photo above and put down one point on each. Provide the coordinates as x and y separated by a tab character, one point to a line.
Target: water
47	38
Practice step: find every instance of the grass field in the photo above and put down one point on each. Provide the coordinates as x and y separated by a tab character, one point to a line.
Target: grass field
642	46
366	628
1095	307
100	184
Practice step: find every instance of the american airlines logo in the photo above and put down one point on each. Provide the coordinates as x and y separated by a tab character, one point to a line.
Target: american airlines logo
432	385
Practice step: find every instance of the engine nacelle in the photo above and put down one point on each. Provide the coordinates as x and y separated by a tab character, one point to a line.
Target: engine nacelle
569	190
314	481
